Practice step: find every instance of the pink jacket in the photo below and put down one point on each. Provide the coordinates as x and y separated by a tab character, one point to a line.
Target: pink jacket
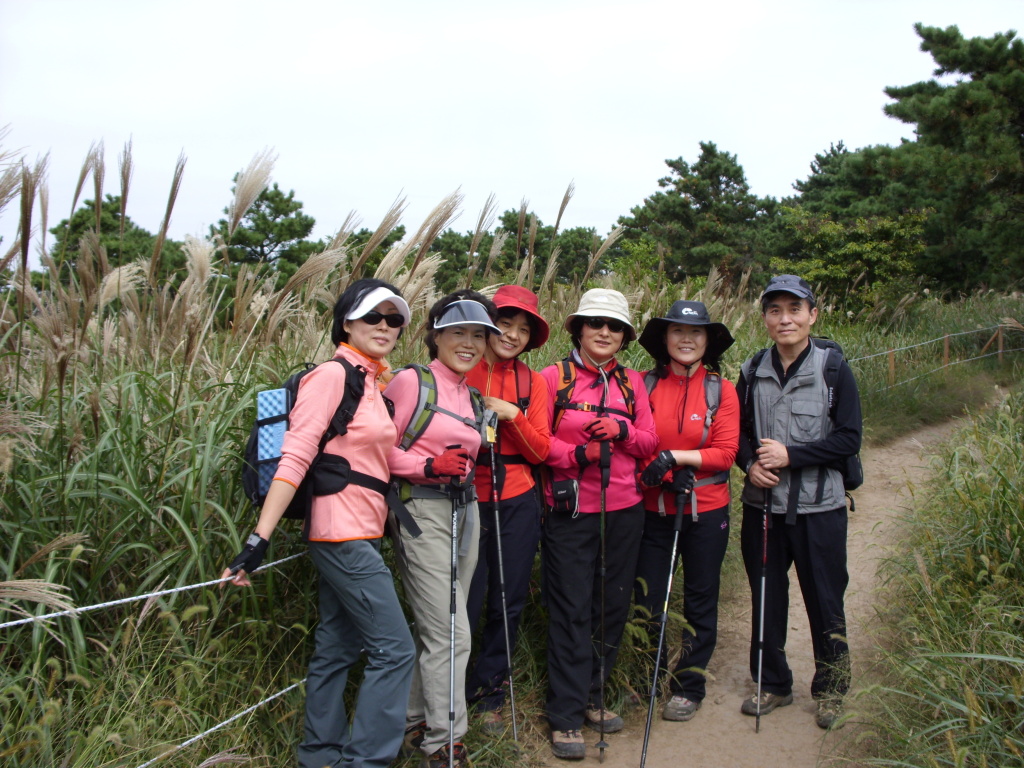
354	512
441	432
641	437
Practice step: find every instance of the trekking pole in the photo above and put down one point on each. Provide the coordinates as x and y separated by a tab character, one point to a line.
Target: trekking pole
605	463
681	501
760	623
452	488
501	583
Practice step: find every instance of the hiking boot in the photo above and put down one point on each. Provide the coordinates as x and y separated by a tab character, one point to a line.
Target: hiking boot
413	738
769	701
680	709
612	722
491	722
829	711
568	745
440	758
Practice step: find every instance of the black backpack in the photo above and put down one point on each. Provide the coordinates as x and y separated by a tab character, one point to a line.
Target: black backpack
851	467
327	473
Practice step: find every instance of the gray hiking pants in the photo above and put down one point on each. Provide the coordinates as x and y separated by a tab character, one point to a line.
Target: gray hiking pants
425	564
359	614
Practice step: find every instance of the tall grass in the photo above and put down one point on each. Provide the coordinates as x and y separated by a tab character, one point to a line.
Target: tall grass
126	409
953	693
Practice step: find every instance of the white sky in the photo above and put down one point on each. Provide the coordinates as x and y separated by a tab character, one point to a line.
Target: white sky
365	102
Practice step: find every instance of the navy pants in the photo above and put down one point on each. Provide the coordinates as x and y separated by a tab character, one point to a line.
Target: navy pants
359	617
702	546
520	533
816	545
571	560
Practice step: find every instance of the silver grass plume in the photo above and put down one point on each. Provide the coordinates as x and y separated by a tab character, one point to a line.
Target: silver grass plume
99	172
444	213
609	241
483	225
125	168
120	281
385	228
248	186
158	247
569	192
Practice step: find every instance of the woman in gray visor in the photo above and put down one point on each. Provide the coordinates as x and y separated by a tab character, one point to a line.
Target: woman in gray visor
439	420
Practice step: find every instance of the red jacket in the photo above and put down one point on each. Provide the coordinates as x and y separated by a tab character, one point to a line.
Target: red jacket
527	435
679	408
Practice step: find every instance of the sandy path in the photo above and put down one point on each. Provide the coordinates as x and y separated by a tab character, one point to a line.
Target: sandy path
720	735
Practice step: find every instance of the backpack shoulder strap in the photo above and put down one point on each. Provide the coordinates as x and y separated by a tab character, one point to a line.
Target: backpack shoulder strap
712	399
563	395
524	385
749	370
622	376
355	383
651	380
426	397
833	361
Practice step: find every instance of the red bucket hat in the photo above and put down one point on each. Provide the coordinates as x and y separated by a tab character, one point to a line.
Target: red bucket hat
526	300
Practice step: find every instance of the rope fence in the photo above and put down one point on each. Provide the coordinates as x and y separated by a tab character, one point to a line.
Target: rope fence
997	337
137	598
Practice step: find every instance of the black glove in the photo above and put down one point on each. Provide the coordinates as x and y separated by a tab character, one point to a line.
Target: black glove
655	471
682	481
251	556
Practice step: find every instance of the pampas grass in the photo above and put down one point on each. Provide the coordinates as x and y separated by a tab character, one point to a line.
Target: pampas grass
248	186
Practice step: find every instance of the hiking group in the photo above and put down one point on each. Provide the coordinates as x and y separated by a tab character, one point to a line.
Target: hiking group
636	480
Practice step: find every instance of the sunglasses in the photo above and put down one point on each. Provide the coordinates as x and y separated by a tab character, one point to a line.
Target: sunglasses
394	320
597	323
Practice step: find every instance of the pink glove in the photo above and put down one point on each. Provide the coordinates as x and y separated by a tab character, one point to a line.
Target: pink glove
452	463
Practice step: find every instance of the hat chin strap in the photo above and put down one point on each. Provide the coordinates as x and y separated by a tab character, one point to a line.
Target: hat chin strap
687	368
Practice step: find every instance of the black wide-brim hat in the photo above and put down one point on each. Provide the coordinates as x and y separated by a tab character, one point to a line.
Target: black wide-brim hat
687	313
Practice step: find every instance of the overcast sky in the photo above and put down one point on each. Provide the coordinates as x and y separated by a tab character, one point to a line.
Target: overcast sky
367	102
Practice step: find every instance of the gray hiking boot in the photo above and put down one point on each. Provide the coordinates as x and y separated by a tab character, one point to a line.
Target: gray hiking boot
830	709
568	745
769	702
679	709
612	722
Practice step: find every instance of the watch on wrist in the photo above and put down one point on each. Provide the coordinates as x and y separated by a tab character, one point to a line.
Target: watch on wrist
253	540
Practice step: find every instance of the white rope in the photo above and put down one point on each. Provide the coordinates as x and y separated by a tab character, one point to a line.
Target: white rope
230	720
923	343
123	600
949	365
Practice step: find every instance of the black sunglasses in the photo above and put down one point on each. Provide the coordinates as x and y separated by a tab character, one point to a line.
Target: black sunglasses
373	317
597	323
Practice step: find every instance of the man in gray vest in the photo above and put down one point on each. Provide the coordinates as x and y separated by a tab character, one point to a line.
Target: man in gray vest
797	428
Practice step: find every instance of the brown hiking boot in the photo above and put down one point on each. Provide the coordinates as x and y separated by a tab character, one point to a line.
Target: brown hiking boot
769	702
413	738
440	758
612	722
568	745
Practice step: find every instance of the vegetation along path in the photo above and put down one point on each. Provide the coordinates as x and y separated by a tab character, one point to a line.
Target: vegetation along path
720	735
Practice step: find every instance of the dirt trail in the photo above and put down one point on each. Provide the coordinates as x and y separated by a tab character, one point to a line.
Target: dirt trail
719	736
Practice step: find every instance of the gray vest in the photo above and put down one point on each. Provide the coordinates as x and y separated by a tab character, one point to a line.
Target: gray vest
795	414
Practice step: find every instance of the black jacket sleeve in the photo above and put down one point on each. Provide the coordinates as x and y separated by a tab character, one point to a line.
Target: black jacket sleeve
745	454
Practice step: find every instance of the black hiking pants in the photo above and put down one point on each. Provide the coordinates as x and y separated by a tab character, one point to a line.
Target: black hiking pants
571	560
816	545
702	546
520	533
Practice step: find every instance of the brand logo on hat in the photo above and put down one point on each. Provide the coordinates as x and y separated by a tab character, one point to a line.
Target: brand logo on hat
688	311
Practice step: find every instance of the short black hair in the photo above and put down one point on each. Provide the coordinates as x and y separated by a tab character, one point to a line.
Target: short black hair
350	298
463	294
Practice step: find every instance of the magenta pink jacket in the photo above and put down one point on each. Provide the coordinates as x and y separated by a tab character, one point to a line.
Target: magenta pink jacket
442	431
354	512
641	437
